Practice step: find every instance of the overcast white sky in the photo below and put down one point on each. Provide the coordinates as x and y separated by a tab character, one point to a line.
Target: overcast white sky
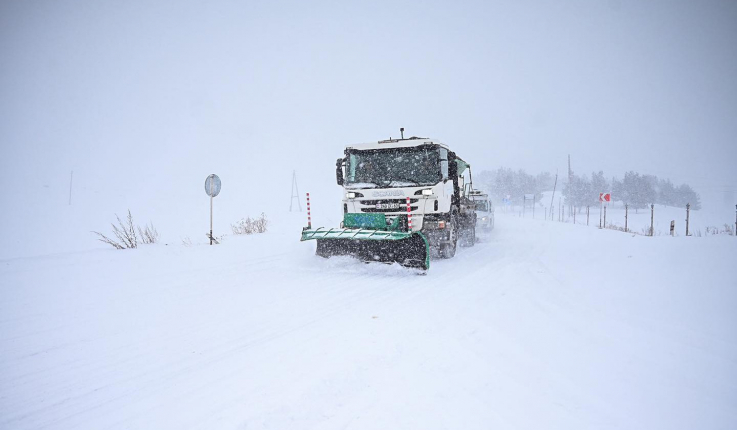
172	91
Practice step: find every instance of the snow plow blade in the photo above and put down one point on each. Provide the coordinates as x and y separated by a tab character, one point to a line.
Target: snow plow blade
385	246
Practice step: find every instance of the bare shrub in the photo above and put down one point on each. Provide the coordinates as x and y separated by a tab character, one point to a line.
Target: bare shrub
260	224
125	234
251	226
713	231
646	232
148	234
615	227
244	226
186	241
728	229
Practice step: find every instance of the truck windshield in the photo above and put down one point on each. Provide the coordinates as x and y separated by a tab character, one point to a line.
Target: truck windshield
401	167
482	205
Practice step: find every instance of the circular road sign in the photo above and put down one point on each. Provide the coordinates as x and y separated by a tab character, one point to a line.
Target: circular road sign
212	185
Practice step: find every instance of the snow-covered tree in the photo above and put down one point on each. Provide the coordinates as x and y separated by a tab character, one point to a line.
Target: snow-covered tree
504	182
577	191
636	190
599	184
666	193
684	195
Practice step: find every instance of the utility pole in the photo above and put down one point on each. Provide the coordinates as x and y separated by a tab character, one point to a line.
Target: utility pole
71	179
295	192
560	210
570	179
552	199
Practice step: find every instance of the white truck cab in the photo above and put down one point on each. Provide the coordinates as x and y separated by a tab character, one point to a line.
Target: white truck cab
484	210
379	176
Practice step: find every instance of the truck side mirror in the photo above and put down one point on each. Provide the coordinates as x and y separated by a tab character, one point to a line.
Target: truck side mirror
339	171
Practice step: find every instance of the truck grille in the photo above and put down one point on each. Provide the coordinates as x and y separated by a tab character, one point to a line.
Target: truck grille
369	206
402	202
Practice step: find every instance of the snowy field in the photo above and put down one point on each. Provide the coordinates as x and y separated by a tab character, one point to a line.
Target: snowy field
540	325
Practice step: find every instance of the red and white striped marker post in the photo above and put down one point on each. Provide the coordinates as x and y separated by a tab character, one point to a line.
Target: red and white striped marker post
409	216
309	218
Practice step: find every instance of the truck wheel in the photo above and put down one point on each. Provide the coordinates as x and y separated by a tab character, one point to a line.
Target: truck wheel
448	250
468	236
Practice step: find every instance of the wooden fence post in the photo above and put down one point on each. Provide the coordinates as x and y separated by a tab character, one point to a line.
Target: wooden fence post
604	216
652	217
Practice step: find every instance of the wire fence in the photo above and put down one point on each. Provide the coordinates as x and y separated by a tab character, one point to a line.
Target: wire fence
620	221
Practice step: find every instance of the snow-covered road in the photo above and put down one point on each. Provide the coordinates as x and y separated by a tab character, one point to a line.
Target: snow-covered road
541	325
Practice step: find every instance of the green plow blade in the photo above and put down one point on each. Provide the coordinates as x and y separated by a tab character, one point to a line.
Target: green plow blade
352	233
405	248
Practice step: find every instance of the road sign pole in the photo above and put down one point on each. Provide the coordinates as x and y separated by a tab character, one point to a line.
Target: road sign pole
212	188
524	204
211	193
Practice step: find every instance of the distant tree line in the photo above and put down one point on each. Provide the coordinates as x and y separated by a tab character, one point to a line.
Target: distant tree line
504	182
636	190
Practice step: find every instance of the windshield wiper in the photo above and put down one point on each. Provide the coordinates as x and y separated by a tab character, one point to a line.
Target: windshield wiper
404	179
353	184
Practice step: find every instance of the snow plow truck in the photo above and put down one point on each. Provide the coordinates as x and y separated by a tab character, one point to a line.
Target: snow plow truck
404	200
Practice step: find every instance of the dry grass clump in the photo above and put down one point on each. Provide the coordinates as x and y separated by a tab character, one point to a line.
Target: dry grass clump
125	234
251	226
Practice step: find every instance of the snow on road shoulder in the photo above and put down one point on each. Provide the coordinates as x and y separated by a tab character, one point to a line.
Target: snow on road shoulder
541	325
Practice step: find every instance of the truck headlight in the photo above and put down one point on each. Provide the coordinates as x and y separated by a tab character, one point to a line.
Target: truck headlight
350	195
426	192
